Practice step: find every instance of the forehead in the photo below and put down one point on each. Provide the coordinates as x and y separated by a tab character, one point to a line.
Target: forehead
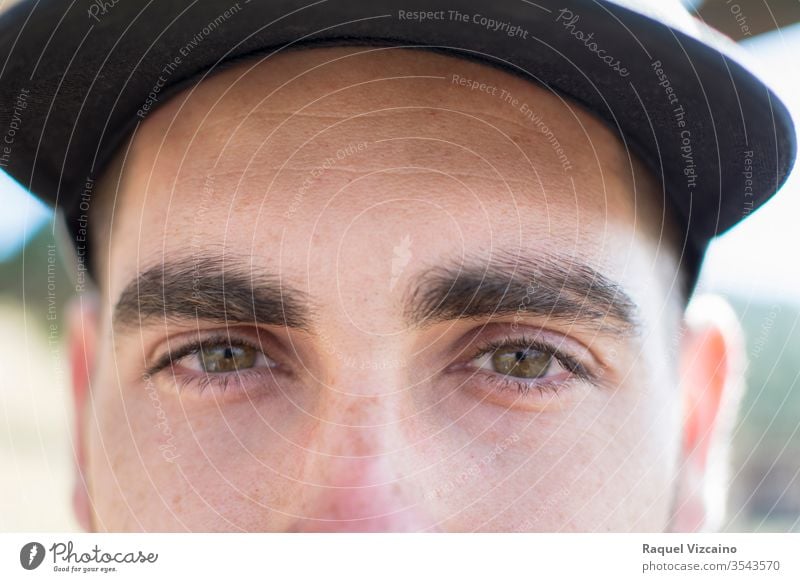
373	146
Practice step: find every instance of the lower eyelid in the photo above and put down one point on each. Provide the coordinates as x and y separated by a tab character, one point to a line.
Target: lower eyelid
503	382
534	395
502	393
229	385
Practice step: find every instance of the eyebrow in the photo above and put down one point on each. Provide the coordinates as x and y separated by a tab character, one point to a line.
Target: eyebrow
210	289
229	291
555	287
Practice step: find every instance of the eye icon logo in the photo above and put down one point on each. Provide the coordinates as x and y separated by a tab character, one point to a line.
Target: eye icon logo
31	555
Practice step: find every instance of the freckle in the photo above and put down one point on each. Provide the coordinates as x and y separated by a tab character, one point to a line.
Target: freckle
176	500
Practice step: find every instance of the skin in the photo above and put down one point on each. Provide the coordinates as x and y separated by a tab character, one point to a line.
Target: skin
370	421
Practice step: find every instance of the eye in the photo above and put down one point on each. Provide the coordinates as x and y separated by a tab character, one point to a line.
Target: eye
218	366
219	358
526	363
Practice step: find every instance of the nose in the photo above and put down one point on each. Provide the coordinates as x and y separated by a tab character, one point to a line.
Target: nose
362	471
365	496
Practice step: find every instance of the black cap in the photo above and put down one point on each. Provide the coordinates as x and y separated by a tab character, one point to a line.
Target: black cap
78	76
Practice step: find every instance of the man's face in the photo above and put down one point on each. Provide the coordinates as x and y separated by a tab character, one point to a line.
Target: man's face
355	292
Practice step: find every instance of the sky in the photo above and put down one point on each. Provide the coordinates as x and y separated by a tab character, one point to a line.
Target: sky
22	216
756	260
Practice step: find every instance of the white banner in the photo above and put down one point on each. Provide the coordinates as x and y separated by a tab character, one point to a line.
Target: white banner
406	557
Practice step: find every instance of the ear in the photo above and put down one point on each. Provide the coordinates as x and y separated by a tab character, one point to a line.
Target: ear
712	364
83	318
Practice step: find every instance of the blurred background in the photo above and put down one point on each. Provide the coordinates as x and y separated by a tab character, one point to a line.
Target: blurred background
755	266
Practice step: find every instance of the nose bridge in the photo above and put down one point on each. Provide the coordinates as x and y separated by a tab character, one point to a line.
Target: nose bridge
357	471
360	420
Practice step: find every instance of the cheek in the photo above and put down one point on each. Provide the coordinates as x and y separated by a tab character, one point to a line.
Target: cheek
616	471
159	465
606	464
133	477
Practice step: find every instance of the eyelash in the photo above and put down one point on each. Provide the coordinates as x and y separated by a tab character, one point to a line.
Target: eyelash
218	381
222	381
502	383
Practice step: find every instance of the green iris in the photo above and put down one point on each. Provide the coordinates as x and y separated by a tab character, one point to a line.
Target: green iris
226	358
527	363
